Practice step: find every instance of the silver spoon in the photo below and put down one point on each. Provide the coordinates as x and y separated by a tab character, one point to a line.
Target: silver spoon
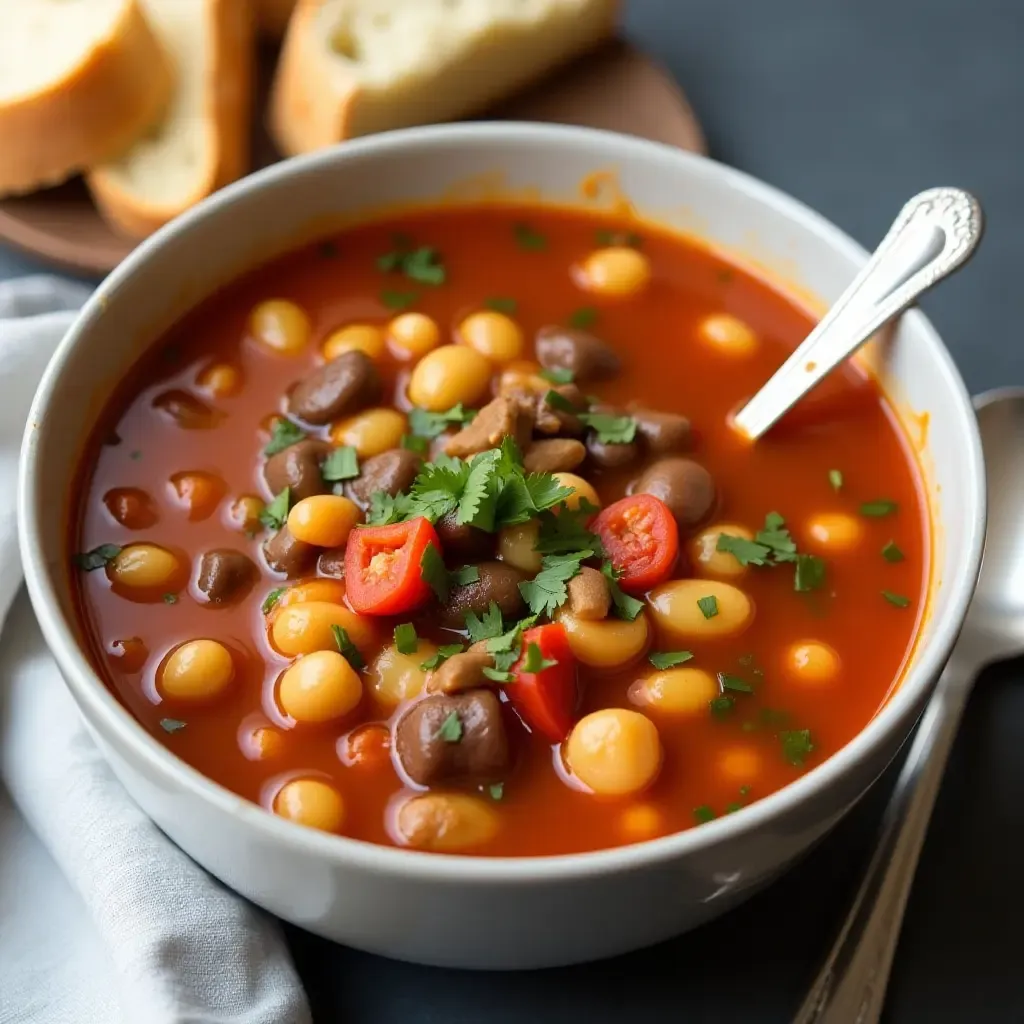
851	984
934	234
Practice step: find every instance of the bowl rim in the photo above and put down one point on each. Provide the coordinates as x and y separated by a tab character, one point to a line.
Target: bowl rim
120	728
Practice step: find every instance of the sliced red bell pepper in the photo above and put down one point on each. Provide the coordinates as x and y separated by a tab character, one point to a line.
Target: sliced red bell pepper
641	538
382	567
546	700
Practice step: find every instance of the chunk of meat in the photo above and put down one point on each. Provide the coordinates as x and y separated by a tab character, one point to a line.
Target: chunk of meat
332	563
684	485
283	553
589	596
554	455
392	471
567	348
461	672
458	738
297	467
498	582
462	543
551	420
338	388
502	417
662	433
226	575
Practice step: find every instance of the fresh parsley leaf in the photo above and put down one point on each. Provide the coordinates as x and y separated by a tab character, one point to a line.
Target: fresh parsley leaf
626	607
528	239
499	675
810	573
878	508
384	509
274	515
557	375
502	305
406	640
397	300
835	478
441	655
172	725
271	600
585	316
605	237
721	707
451	728
170	598
496	790
545	491
436	491
464	575
341	464
566	532
666	659
97	558
535	660
558	401
487	627
776	537
479	500
609	429
703	814
283	434
346	648
796	746
892	553
424	265
746	552
419	445
898	600
547	591
733	807
430	424
731	682
708	606
506	647
433	571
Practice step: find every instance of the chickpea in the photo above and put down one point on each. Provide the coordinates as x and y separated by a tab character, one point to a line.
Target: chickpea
413	335
740	764
198	670
305	627
146	567
221	379
129	654
325	520
331	591
676	611
676	691
582	488
368	746
616	271
642	821
395	677
263	743
131	507
198	492
728	335
244	513
280	326
370	432
606	643
812	662
517	546
312	803
449	375
834	532
493	335
447	822
368	338
709	561
614	751
319	687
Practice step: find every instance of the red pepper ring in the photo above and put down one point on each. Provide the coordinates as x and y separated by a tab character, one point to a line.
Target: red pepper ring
382	567
640	536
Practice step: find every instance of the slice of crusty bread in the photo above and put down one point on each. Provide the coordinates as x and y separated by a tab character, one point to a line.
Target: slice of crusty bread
203	141
272	16
78	82
353	67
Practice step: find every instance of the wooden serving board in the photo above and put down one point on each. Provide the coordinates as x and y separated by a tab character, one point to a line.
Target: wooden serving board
618	88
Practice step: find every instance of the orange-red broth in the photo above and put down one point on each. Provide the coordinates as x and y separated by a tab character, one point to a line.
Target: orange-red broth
711	765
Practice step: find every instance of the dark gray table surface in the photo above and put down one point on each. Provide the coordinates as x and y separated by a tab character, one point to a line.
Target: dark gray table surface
852	107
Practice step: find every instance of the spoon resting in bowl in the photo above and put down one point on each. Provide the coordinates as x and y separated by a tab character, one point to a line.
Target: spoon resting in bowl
934	234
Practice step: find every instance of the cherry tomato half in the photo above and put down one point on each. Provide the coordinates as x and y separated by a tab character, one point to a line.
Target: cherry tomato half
382	566
641	538
546	700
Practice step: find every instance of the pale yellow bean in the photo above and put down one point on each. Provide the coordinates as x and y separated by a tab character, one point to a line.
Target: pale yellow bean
812	663
676	691
834	532
606	643
700	609
325	520
709	561
446	822
306	626
366	338
319	687
449	375
370	432
614	751
728	335
312	803
617	271
517	544
492	334
413	335
221	380
145	567
394	677
280	326
199	670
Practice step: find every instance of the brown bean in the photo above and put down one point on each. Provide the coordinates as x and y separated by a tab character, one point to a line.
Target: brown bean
186	410
453	738
332	563
391	472
298	468
461	672
661	432
685	486
566	348
338	388
555	455
498	582
589	595
611	456
226	575
284	553
462	543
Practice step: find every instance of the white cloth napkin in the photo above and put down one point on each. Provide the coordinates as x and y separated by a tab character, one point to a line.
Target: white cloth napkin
102	919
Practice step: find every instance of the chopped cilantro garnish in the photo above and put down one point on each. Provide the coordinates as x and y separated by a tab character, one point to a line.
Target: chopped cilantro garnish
896	599
626	607
488	626
528	239
451	728
703	814
892	553
433	571
547	591
708	606
535	660
744	790
733	807
609	429
666	659
558	401
796	746
502	305
430	424
604	237
273	516
731	682
810	573
772	546
558	375
170	598
271	599
496	790
585	316
478	502
383	509
463	575
567	531
341	464
346	648
397	300
283	434
406	640
746	552
721	706
776	537
442	654
419	445
172	725
97	558
835	478
878	508
499	675
422	265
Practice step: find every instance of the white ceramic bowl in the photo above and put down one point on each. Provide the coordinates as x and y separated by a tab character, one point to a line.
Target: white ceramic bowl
450	910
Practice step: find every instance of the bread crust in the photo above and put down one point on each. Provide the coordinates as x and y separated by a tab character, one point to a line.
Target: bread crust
92	113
